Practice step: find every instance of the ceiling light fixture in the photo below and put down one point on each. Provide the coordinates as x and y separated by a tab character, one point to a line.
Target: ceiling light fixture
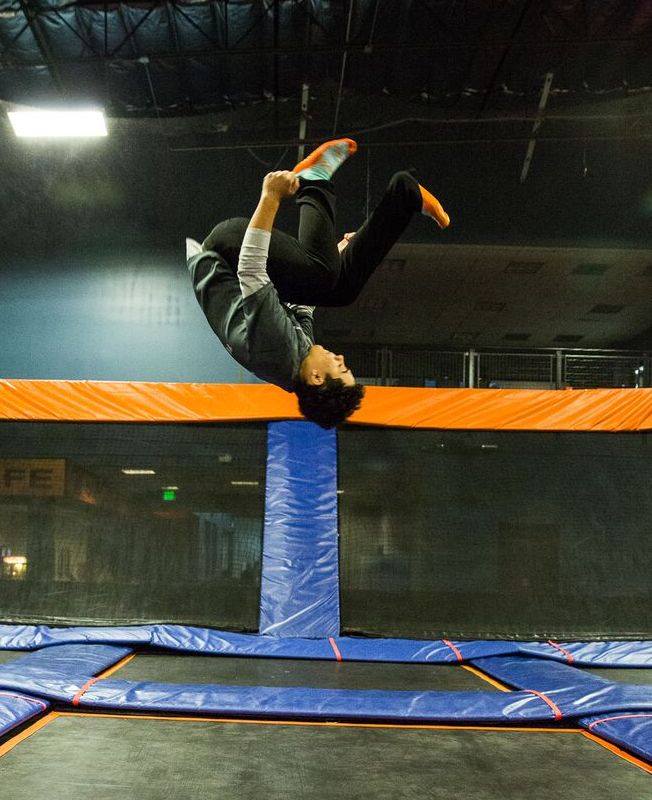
138	472
44	124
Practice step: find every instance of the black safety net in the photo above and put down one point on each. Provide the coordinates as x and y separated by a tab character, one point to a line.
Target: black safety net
130	523
495	534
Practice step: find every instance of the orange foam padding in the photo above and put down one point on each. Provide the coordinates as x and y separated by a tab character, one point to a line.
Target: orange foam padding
459	409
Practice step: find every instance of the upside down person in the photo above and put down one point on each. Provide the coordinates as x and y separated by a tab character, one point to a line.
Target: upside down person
258	286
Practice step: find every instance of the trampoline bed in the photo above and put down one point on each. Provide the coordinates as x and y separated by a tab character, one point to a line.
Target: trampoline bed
301	613
105	756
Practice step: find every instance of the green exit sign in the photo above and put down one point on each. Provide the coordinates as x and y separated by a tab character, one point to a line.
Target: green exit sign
169	494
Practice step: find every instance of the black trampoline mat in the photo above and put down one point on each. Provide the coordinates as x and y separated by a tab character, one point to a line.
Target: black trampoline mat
104	758
7	656
296	672
631	675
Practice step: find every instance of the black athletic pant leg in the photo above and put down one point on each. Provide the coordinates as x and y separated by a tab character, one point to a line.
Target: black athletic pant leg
376	237
309	269
303	270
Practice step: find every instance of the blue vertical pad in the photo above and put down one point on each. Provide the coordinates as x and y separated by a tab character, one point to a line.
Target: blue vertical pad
300	582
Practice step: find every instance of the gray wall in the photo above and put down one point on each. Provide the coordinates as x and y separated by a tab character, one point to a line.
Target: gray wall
133	317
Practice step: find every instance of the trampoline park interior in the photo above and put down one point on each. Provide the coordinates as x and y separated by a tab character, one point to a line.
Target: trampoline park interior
204	595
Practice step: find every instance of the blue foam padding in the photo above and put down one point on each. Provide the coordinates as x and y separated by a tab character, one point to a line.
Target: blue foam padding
632	731
299	702
34	637
60	681
15	709
58	673
74	660
299	593
203	640
603	654
575	693
419	650
189	639
535	673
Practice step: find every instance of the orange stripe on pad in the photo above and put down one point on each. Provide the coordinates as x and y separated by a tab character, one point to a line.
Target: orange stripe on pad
101	676
553	706
336	649
26	698
83	690
456	650
620	716
567	654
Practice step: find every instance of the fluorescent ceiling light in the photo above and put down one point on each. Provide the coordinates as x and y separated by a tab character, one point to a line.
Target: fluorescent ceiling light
244	483
58	124
138	472
16	561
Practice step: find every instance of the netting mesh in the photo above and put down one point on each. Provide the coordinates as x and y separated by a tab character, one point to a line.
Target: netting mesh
83	540
495	534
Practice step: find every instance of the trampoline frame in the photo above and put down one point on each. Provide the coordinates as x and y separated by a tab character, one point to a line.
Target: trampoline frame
534	669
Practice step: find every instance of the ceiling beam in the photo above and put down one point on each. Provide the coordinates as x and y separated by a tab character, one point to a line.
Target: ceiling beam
203	52
507	48
543	102
182	72
52	65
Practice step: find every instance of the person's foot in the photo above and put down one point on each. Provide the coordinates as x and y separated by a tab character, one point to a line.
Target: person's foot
322	162
431	207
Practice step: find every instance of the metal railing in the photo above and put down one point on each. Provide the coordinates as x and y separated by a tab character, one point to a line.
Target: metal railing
486	368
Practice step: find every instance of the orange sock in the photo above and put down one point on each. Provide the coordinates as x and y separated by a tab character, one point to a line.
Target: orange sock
433	208
324	161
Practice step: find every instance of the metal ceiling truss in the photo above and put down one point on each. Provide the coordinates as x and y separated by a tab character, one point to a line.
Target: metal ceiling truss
383	30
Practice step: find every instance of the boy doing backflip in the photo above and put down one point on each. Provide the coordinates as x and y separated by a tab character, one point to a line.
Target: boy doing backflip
258	286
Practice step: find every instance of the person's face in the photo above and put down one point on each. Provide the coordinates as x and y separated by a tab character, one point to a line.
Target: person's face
334	366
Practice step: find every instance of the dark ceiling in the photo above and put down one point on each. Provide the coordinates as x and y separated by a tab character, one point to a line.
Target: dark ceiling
209	94
457	59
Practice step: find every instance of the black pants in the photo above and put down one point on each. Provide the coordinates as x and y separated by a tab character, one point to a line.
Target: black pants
309	269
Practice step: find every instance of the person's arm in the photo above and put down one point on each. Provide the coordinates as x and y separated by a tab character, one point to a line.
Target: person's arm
252	264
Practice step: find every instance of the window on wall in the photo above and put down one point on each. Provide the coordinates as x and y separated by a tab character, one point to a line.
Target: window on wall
130	523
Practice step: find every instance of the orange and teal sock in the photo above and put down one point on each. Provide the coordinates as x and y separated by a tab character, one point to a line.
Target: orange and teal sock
328	157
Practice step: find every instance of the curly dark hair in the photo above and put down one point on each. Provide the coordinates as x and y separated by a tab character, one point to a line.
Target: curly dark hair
331	403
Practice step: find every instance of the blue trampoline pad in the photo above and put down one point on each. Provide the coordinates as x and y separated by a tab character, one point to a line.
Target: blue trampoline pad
77	756
231	671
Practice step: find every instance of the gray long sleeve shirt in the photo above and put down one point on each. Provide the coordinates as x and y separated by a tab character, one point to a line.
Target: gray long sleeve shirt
264	335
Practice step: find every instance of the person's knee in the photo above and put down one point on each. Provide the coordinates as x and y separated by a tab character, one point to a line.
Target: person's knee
403	178
404	182
226	234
